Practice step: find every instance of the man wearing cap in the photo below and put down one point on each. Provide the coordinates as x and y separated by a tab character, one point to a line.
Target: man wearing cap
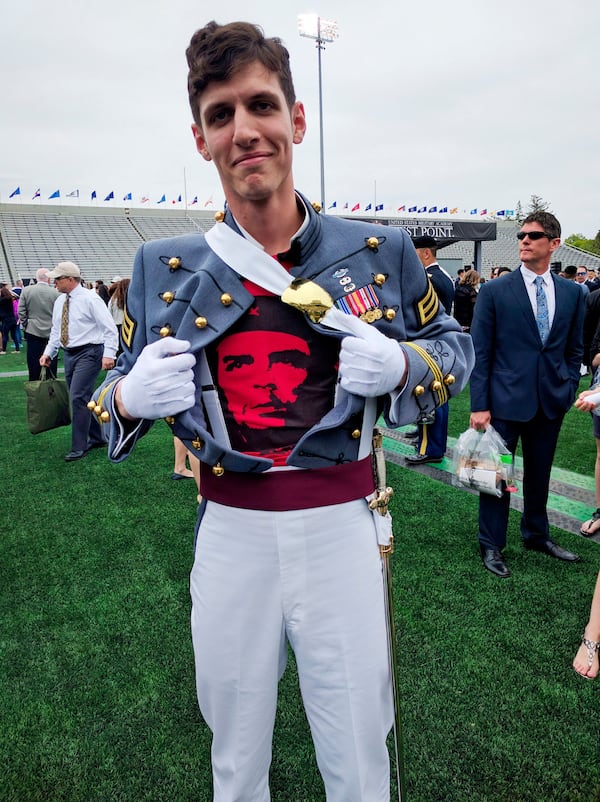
35	313
432	433
83	326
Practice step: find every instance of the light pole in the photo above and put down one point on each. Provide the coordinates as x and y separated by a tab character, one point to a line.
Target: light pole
313	27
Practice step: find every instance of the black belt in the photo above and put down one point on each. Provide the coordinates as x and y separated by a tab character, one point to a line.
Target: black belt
81	347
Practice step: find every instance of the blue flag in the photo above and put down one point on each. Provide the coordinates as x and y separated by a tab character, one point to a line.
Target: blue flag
162	200
422	209
367	207
379	207
412	208
110	196
55	195
94	196
127	197
333	205
17	191
443	210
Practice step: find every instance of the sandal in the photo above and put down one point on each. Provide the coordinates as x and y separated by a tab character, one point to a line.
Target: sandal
591	647
585	529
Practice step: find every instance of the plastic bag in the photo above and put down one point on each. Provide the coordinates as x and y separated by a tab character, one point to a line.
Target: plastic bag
483	462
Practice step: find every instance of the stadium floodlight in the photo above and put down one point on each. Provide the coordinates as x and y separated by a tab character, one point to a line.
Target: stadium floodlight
313	27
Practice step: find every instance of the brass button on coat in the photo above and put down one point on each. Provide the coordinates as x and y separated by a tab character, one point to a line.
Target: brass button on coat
174	262
168	297
379	279
389	314
419	390
356	434
373	243
165	331
219	217
218	469
201	322
226	299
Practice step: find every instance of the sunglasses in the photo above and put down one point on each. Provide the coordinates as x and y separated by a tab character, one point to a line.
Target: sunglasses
533	235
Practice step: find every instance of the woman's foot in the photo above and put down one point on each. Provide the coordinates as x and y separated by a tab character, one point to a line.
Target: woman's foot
591	527
184	473
586	659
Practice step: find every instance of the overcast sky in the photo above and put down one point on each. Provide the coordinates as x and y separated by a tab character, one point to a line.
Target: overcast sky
465	104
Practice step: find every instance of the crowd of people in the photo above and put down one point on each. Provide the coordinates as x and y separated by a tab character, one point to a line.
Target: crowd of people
297	331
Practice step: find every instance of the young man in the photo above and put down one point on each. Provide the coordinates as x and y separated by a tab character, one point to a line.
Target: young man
278	404
527	332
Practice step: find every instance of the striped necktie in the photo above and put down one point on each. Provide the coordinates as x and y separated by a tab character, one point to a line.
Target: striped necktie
64	324
541	317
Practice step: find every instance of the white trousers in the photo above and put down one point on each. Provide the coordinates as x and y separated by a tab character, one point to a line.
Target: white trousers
313	578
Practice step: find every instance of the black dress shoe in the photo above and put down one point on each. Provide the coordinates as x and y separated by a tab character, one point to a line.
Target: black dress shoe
553	549
421	459
494	562
73	455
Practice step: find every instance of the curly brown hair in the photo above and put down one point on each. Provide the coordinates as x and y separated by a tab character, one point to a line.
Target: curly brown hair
216	52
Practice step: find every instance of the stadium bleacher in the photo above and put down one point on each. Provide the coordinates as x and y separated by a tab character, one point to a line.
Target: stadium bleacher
103	242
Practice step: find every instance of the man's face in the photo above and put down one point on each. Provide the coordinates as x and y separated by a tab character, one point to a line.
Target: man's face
591	275
260	373
64	283
248	131
581	275
535	254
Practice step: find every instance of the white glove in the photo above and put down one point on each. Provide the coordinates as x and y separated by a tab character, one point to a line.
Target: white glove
371	367
161	382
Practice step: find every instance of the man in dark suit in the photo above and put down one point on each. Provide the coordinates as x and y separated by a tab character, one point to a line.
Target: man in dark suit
527	333
432	430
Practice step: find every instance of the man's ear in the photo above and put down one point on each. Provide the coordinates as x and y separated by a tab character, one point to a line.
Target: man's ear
298	122
200	142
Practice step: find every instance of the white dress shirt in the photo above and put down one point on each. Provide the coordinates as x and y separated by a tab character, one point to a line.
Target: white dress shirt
90	323
529	278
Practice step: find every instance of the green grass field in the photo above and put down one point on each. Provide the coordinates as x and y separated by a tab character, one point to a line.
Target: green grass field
97	697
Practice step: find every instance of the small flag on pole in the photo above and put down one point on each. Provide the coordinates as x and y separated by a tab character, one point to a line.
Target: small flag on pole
37	194
74	194
110	196
17	191
55	194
